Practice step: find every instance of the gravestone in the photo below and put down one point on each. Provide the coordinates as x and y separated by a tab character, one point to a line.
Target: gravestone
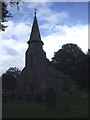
51	99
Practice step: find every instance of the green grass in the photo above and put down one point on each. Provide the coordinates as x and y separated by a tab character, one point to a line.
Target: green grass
78	108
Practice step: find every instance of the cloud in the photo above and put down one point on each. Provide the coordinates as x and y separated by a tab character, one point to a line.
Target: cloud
66	34
12	49
13	41
19	30
46	14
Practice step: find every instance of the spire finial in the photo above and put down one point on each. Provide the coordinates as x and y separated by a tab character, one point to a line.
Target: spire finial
35	11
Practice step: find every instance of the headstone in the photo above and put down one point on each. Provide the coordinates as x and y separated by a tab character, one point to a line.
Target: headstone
51	99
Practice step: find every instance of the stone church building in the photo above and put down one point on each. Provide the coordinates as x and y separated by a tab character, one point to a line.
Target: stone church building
36	77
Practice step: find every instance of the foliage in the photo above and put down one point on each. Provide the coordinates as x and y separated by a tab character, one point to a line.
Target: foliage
88	55
72	61
9	78
5	13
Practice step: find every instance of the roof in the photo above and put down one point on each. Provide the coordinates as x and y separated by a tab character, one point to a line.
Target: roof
56	74
35	33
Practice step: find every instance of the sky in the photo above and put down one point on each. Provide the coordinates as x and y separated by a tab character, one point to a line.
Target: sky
59	23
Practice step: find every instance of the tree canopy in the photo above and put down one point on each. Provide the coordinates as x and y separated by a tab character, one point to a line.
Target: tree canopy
9	78
72	61
69	59
5	13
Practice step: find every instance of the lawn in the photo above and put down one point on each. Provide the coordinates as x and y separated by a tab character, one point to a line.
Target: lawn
78	103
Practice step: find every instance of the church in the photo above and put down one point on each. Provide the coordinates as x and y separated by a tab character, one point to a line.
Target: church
36	77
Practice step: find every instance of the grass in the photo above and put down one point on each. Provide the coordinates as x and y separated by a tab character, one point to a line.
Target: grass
78	103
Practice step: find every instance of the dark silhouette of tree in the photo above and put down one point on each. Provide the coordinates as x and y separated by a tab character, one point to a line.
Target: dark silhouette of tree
72	61
5	13
9	79
88	56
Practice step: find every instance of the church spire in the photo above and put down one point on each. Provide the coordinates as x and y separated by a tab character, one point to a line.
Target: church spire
35	11
35	33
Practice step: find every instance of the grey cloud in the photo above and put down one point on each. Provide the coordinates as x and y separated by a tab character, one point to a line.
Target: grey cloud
11	51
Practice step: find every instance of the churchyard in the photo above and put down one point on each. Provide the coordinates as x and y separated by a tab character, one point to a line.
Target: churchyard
77	107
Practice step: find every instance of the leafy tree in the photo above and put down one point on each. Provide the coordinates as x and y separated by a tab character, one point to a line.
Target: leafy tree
88	56
5	13
88	53
72	61
9	78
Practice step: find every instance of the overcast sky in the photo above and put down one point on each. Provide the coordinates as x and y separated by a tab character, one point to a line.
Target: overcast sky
59	23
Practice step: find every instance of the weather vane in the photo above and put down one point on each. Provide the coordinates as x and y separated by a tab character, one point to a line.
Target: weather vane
35	11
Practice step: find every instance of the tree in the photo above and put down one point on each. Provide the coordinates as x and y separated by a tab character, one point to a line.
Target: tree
5	13
72	61
9	78
88	56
